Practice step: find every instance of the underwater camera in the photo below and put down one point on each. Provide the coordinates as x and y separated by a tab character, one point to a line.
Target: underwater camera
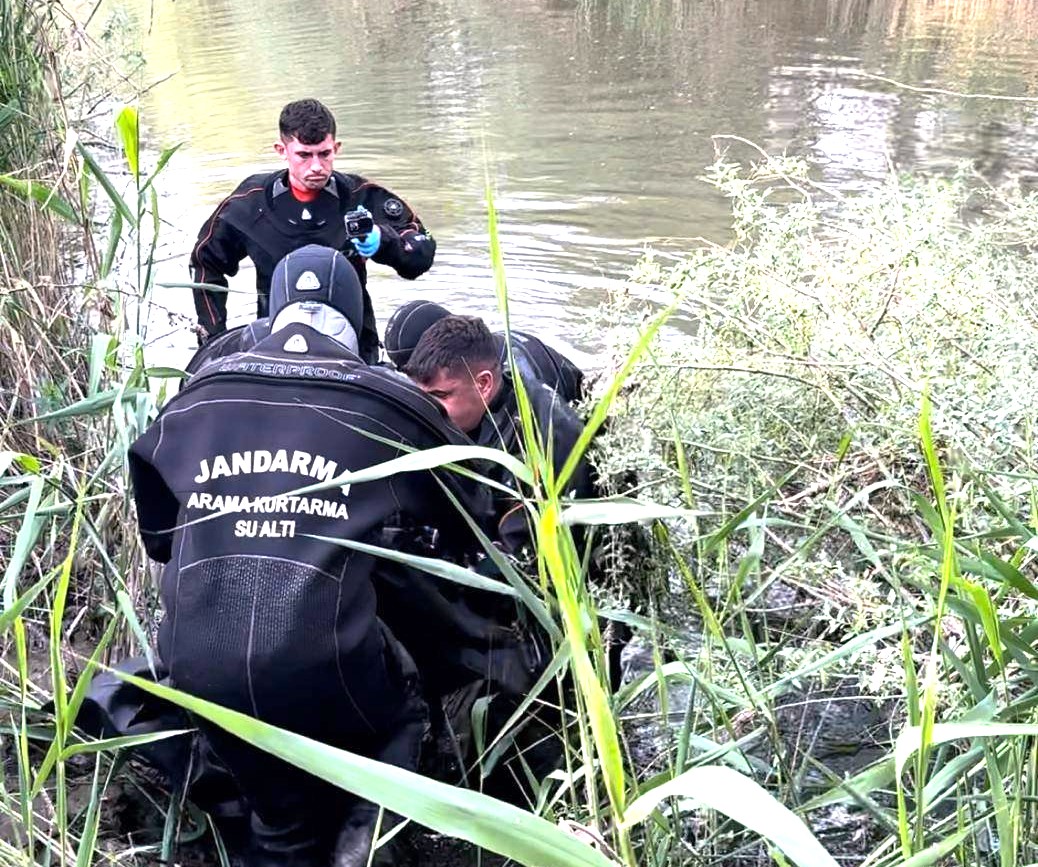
359	223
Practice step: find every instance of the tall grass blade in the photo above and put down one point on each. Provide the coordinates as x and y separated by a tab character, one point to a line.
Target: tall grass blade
23	542
431	565
426	459
736	521
933	465
988	565
118	202
459	813
39	193
12	612
605	403
931	677
864	783
115	237
741	799
854	645
910	741
982	601
120	743
621	510
678	670
100	346
938	852
86	851
90	405
65	721
127	125
1000	803
164	157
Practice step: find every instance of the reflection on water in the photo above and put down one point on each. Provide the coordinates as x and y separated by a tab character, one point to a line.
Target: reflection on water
597	116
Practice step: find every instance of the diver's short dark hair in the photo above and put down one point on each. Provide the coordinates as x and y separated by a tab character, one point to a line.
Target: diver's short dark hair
457	343
306	120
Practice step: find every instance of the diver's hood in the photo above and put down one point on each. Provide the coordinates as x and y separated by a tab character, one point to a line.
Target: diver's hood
317	275
322	318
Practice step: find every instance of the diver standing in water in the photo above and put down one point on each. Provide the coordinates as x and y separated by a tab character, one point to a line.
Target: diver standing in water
307	202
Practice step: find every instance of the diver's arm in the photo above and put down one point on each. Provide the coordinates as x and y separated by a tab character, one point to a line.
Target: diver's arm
216	256
157	507
406	246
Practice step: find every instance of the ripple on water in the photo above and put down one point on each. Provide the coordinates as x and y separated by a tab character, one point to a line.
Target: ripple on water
595	122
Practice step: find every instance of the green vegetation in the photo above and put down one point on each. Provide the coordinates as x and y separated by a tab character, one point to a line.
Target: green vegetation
850	366
830	425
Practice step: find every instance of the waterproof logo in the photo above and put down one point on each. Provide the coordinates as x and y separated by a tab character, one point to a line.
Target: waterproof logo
297	344
393	208
308	282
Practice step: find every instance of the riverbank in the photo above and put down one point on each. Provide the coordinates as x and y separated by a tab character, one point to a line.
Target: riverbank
852	413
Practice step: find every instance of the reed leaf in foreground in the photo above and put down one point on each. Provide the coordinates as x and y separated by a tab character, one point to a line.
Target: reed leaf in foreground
621	510
737	796
938	851
911	739
433	566
561	568
127	126
426	459
93	405
460	813
945	528
41	194
118	202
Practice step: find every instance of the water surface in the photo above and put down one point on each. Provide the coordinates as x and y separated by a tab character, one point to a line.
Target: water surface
595	117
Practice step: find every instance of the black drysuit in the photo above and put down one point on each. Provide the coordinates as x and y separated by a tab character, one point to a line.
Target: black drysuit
238	339
260	614
261	219
538	362
501	427
535	361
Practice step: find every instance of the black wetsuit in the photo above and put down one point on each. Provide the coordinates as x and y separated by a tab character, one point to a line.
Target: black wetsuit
238	339
538	362
559	429
260	615
480	636
534	359
261	219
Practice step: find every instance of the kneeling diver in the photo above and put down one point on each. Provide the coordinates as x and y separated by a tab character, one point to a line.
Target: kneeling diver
263	613
534	359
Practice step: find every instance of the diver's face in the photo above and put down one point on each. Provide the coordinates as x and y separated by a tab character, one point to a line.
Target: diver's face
464	395
309	165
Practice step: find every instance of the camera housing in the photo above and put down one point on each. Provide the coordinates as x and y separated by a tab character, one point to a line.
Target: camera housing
359	224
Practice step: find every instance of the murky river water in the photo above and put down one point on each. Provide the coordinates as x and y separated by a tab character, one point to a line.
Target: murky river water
595	118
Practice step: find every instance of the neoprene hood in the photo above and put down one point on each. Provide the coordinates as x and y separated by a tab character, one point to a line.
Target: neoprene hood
314	274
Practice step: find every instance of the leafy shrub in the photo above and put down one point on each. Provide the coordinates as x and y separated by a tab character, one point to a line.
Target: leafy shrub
809	340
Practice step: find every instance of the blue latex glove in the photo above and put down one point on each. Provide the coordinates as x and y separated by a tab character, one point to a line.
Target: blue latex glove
369	244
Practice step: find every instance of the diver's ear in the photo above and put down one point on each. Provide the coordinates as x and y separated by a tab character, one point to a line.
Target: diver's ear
484	381
279	149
